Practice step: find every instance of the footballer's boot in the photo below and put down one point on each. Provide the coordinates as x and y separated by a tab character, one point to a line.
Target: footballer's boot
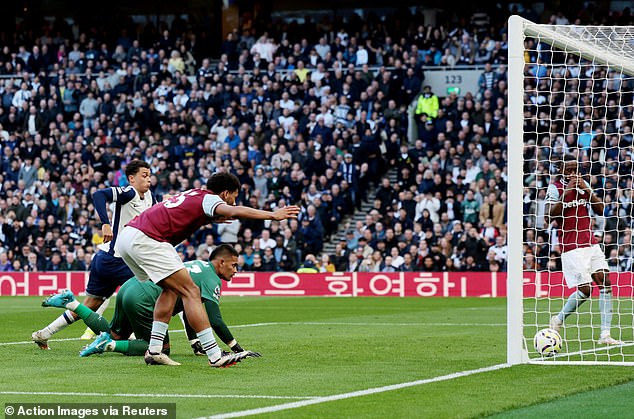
227	359
88	334
606	339
158	359
40	340
59	300
98	346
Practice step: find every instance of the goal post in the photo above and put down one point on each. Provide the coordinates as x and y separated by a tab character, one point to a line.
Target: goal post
570	92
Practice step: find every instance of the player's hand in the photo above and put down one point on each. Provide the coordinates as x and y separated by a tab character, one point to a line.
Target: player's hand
572	182
290	211
106	230
583	185
254	354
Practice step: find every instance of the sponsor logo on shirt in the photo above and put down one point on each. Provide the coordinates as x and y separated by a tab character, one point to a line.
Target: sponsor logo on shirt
575	203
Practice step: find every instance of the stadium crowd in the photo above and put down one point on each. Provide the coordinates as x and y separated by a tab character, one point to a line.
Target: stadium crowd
584	109
314	114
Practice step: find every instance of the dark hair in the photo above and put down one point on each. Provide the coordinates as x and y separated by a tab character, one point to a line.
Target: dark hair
134	166
566	158
223	250
220	182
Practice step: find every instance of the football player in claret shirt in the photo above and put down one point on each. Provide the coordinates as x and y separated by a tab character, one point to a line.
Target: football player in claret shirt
568	202
147	246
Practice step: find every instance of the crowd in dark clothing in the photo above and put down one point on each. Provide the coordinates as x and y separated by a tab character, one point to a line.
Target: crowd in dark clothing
314	114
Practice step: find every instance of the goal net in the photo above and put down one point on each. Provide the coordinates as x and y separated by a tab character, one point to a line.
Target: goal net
571	91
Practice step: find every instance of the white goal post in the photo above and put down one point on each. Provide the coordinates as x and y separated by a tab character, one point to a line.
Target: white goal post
570	91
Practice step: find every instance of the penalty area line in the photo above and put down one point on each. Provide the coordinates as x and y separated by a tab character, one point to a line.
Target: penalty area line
342	396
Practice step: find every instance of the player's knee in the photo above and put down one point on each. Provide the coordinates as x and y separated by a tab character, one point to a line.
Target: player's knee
602	279
192	292
585	289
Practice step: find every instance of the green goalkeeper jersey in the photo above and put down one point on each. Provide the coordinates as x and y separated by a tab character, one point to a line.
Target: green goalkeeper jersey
203	274
140	297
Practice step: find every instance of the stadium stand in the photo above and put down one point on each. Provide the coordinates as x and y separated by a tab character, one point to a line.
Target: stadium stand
315	114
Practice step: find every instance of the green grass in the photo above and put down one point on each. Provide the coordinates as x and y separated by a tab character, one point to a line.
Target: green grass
315	347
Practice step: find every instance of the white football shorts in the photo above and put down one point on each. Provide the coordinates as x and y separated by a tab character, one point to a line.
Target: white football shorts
579	265
146	257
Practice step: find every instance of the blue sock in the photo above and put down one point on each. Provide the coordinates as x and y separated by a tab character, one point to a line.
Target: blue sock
209	344
574	301
159	329
605	308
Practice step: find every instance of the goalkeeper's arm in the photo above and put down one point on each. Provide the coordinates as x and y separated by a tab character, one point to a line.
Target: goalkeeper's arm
221	329
219	325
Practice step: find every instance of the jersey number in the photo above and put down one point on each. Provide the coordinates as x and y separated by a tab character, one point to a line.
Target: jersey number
195	269
175	201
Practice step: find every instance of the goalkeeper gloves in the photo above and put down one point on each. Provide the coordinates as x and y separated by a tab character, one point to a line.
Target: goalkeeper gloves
237	348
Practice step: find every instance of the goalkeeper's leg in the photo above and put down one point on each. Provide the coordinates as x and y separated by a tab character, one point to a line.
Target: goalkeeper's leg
63	300
89	333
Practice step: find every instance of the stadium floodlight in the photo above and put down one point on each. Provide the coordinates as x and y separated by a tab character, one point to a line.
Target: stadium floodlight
570	93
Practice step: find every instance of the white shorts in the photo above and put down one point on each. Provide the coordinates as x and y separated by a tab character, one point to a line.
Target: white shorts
579	265
146	257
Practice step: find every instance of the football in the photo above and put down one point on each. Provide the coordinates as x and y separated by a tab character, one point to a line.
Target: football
547	342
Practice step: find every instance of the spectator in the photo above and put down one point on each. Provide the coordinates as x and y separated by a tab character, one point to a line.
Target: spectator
228	231
309	265
148	108
208	246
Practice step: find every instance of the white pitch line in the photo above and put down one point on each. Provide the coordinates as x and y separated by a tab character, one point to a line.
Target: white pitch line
242	326
592	350
186	396
342	396
368	324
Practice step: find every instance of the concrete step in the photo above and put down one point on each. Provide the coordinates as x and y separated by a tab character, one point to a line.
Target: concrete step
329	246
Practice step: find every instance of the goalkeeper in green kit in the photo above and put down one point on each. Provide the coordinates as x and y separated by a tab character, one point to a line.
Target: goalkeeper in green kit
135	308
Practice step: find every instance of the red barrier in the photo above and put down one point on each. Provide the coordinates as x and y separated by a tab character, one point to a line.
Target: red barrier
352	284
42	283
344	284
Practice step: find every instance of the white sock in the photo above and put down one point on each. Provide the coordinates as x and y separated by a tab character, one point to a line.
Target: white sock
182	317
159	330
209	344
72	306
605	308
58	324
103	306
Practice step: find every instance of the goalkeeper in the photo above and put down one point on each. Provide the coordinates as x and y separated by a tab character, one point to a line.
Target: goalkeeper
135	307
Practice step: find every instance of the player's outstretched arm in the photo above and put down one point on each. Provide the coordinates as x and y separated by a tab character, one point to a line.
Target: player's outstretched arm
229	211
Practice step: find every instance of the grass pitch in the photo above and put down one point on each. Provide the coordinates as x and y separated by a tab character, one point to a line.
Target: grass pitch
322	357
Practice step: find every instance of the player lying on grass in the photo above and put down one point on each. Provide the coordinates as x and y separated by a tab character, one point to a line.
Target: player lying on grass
135	306
147	244
107	269
568	202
